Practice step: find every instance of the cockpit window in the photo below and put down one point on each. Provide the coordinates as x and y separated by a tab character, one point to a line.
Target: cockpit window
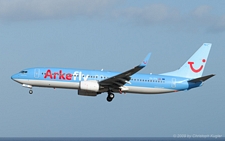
23	72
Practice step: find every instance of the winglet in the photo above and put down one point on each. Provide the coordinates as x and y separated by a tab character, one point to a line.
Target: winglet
145	61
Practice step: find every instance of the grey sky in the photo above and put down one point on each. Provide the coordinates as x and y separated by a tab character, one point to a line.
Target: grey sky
113	35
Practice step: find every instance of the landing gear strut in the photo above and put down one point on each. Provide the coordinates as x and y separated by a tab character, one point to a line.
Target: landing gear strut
110	96
30	91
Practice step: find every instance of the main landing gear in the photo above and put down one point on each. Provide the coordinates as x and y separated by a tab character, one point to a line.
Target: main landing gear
30	91
110	96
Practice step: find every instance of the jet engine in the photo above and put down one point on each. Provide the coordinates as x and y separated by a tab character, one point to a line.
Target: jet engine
89	86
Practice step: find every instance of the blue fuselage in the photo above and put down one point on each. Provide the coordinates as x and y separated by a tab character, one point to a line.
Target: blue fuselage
65	78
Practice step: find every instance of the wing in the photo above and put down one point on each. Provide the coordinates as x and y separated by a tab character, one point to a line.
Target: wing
115	82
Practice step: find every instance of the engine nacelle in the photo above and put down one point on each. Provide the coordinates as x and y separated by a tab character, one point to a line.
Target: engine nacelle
89	86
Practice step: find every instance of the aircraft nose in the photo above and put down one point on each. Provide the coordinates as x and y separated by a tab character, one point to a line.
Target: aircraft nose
13	77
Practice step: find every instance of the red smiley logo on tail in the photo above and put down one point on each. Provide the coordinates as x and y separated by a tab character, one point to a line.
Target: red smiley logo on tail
196	70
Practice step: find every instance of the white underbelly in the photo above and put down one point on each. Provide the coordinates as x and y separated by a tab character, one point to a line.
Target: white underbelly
75	85
147	90
47	83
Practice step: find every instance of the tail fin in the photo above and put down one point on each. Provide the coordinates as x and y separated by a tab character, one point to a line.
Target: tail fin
194	67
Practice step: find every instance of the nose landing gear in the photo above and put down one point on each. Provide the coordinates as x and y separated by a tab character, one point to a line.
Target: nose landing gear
30	91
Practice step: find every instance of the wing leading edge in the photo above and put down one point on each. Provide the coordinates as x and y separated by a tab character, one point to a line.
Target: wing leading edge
121	79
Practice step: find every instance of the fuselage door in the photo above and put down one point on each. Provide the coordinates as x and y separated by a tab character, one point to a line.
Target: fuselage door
173	84
36	73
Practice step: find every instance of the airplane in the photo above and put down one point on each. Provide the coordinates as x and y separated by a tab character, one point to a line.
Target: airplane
95	82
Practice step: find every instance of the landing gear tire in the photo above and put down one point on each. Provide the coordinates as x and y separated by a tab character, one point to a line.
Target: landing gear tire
110	97
30	91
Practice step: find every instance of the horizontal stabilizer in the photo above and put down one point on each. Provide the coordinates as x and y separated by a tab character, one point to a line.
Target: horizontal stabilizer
201	79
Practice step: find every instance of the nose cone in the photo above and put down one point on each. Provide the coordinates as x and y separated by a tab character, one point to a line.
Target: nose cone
13	77
16	77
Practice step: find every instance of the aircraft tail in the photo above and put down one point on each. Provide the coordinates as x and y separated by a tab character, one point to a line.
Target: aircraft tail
194	66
